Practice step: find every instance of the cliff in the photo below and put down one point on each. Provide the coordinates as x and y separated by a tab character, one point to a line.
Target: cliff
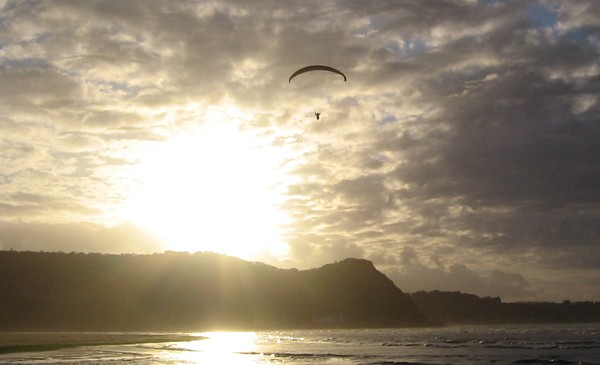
189	292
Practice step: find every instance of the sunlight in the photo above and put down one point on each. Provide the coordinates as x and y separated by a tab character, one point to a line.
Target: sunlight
214	188
220	348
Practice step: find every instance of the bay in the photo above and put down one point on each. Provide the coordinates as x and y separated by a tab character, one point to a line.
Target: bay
517	344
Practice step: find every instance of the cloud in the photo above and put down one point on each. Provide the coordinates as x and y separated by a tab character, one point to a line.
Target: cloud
467	131
414	276
74	237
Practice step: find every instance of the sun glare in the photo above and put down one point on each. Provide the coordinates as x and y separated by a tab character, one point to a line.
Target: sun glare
214	188
220	348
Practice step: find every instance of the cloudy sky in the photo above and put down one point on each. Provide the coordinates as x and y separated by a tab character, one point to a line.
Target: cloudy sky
463	152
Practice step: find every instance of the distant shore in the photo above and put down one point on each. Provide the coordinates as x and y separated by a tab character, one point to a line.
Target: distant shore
11	342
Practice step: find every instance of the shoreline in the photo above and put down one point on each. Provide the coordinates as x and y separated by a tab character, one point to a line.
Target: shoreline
14	342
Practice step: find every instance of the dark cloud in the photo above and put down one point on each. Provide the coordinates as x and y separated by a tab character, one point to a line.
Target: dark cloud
27	85
414	276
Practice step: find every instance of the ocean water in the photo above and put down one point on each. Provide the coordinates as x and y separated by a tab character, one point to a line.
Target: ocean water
524	344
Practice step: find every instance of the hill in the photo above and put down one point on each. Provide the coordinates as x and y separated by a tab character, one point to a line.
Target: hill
450	308
191	292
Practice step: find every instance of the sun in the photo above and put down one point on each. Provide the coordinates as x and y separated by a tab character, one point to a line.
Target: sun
212	188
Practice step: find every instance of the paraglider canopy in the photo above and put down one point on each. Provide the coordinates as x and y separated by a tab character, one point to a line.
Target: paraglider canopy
317	68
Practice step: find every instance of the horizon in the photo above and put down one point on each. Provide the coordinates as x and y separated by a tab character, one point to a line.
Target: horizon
460	151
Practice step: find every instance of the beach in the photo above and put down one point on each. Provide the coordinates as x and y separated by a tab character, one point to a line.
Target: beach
11	342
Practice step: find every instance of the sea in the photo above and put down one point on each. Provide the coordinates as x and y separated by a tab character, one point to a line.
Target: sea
507	344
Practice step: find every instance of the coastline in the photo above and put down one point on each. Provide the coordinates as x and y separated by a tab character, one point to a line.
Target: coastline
12	342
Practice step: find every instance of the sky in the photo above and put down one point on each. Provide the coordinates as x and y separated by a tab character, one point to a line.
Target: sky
462	153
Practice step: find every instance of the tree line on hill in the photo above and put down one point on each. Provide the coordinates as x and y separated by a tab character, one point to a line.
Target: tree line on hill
176	291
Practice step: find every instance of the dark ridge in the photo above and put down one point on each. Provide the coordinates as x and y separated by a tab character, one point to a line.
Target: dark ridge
173	291
451	308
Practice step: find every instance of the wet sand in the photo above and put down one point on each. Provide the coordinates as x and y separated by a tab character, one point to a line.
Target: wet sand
11	342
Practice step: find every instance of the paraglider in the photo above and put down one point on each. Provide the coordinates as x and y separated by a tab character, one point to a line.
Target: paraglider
317	68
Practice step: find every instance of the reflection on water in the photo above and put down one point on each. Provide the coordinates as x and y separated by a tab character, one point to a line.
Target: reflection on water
535	344
218	348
